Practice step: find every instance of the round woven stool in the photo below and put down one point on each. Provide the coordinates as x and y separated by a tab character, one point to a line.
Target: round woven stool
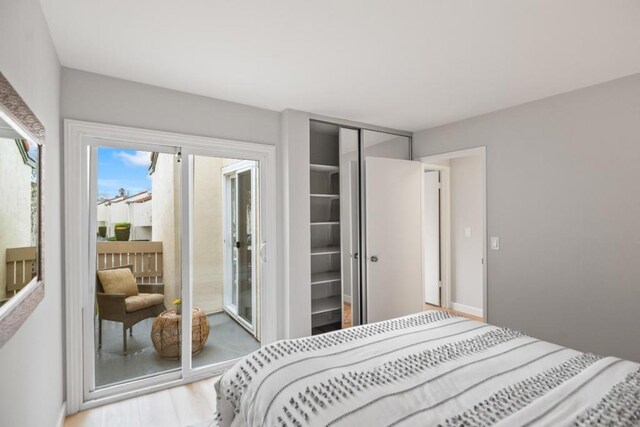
166	330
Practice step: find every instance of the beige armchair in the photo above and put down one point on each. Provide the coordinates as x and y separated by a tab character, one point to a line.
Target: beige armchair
121	299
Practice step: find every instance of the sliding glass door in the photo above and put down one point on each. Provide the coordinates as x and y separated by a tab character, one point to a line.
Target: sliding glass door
176	247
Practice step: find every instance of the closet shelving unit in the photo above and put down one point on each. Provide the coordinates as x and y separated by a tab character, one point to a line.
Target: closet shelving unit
326	274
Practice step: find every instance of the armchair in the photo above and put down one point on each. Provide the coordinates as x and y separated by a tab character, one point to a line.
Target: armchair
128	310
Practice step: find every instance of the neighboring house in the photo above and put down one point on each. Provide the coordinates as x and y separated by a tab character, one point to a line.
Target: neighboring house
135	209
16	197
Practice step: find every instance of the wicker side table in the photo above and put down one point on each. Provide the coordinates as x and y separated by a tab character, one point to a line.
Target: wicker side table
165	333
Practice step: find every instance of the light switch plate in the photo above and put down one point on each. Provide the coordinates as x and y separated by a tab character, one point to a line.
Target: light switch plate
467	232
495	243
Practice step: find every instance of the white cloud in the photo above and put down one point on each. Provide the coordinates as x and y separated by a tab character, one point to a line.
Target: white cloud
139	158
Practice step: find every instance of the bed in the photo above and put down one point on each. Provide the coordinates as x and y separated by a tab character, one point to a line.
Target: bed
428	369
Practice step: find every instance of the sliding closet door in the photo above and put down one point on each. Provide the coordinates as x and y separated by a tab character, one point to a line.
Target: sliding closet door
350	223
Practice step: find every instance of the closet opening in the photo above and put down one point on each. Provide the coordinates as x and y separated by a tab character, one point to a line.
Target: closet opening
330	304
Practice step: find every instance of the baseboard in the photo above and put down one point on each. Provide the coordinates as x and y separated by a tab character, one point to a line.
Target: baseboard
467	309
62	415
346	298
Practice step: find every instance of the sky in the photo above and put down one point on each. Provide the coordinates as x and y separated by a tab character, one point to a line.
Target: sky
119	168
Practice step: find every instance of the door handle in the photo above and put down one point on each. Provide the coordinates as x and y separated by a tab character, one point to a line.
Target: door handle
373	258
262	251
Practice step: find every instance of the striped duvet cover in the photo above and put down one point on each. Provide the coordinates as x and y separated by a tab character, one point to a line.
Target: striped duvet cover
428	369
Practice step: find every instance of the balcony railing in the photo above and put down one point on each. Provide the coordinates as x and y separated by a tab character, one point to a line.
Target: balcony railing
21	268
145	257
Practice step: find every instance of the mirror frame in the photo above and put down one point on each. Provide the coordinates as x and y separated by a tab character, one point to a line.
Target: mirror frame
17	114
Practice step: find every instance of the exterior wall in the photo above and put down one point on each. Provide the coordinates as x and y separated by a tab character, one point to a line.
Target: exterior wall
101	214
15	204
562	185
208	236
31	363
140	214
165	226
118	212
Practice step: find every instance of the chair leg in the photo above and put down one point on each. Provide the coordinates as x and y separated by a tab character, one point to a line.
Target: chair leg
99	332
124	339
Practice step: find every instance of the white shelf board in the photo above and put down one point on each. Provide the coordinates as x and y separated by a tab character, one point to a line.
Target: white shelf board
324	168
326	196
325	250
322	305
326	223
325	277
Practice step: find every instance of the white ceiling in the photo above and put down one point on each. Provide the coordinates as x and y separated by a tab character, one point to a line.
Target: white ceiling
408	64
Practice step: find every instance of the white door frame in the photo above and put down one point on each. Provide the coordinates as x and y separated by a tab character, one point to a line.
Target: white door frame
445	230
80	137
432	162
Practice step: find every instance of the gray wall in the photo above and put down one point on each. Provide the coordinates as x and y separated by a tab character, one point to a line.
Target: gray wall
31	363
467	274
296	262
563	180
102	99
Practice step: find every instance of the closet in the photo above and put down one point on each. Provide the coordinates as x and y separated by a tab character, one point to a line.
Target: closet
365	226
326	263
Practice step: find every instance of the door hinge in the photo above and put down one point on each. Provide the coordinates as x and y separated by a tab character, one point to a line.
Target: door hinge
179	155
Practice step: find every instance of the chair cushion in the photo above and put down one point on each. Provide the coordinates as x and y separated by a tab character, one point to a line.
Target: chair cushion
118	281
142	301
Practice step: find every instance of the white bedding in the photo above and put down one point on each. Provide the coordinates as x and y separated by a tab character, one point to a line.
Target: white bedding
431	368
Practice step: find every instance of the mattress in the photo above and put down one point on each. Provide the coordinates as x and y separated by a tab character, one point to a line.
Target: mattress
427	369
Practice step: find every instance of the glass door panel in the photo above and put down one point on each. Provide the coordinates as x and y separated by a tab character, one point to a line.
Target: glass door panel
135	278
244	244
223	268
233	217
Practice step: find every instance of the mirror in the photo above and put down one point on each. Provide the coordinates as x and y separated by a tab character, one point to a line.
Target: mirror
21	138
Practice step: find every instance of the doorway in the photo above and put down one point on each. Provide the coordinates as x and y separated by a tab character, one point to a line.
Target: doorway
454	232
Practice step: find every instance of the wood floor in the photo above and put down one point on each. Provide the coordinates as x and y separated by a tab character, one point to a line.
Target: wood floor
177	407
435	307
346	312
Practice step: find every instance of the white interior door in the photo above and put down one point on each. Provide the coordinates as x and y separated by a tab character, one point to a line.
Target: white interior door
393	238
431	231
